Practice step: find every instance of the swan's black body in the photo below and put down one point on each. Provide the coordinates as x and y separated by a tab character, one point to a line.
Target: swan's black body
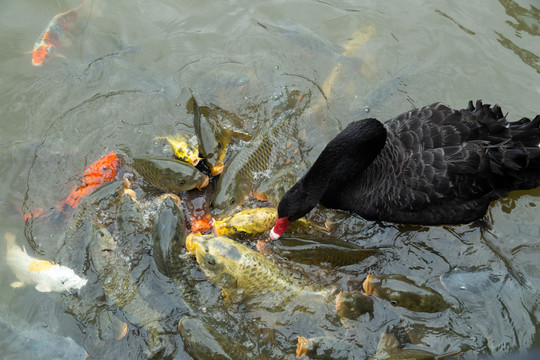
433	165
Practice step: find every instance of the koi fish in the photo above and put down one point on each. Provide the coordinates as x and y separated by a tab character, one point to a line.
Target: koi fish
49	40
46	275
404	292
182	147
101	171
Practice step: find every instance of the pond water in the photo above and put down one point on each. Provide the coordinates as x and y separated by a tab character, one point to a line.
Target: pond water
125	76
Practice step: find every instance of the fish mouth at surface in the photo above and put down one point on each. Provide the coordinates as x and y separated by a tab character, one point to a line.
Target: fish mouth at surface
217	169
190	244
366	285
205	182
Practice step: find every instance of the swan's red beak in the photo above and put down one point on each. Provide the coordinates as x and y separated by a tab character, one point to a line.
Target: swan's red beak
281	225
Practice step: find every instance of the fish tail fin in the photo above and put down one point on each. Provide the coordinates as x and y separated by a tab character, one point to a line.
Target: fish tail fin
10	238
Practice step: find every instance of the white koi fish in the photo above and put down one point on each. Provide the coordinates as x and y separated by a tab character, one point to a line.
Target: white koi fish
46	275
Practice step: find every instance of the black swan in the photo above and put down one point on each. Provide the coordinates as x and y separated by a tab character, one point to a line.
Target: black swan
433	165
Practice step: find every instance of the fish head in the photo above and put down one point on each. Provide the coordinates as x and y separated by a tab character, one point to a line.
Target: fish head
218	256
183	149
187	152
401	291
247	222
67	279
102	247
42	53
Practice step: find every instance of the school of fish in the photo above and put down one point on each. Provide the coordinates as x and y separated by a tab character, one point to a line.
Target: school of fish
130	219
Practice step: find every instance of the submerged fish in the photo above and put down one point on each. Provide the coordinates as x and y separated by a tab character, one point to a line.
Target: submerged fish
352	305
49	40
388	349
98	173
182	148
96	207
114	273
262	153
169	236
320	251
256	221
403	292
130	225
327	347
46	275
203	342
170	175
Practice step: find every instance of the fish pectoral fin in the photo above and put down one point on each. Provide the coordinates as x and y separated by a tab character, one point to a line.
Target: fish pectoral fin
41	287
57	54
260	196
17	284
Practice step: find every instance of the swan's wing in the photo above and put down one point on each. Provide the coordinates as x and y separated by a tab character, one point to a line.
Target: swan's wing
451	154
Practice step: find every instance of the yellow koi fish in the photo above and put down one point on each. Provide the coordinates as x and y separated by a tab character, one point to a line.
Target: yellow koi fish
46	275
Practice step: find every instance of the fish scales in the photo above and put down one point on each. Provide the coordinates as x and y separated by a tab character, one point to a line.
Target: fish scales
246	275
115	274
259	155
265	279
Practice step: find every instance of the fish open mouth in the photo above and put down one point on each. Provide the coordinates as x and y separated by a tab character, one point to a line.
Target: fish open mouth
205	182
220	227
190	244
217	169
366	285
301	347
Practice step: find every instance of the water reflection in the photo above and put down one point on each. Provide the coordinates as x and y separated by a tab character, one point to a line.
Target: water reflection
527	19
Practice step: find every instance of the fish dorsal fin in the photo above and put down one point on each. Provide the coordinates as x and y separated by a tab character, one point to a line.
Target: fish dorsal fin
387	342
43	287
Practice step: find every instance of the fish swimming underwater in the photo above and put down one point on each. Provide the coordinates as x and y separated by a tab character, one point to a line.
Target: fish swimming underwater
49	40
403	292
101	171
46	275
388	349
113	271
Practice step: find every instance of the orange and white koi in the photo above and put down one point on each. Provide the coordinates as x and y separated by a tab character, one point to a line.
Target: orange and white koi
98	173
49	40
46	275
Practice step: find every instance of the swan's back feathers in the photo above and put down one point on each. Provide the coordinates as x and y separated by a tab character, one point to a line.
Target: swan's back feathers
441	165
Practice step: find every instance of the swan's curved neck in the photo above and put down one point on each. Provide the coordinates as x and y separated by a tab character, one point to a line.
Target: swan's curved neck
346	156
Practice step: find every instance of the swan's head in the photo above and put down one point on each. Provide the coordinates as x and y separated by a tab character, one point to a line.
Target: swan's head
296	203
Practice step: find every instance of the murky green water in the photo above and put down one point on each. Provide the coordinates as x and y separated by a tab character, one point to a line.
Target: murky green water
127	78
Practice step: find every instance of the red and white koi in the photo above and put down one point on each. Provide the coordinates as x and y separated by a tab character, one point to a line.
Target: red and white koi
49	40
